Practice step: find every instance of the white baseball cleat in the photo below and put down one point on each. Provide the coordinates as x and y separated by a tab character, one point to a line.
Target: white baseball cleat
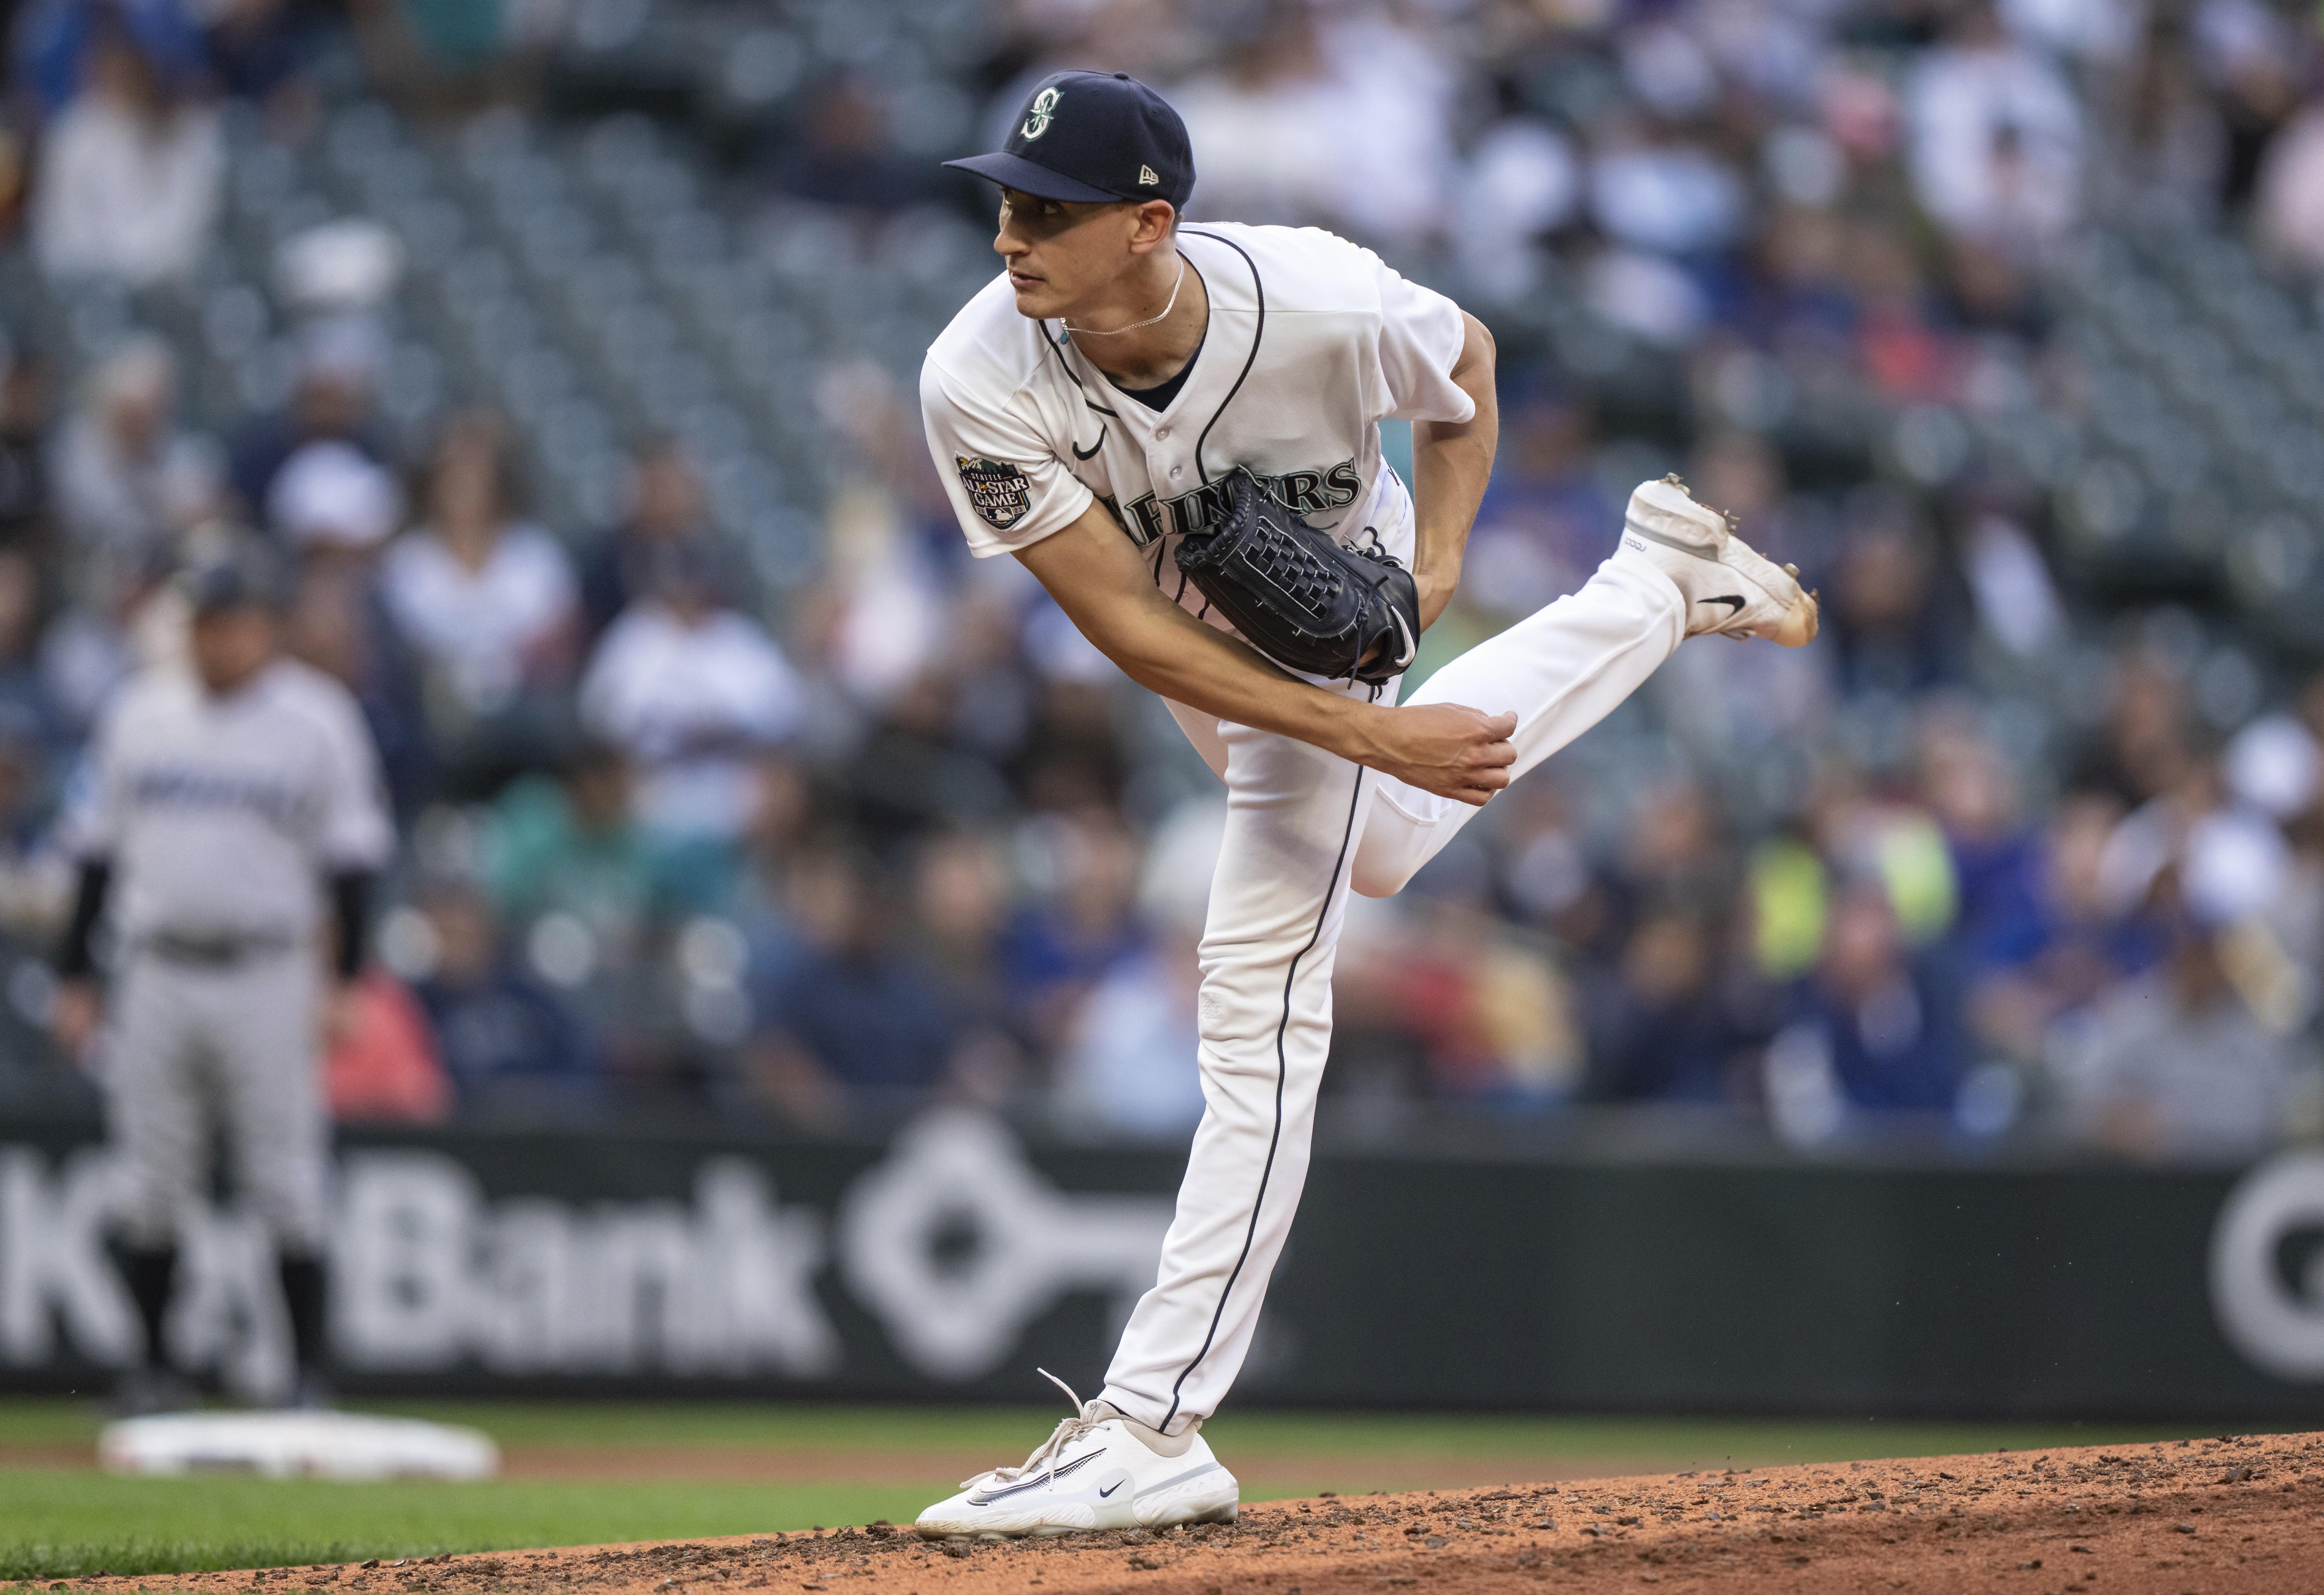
1730	586
1100	1469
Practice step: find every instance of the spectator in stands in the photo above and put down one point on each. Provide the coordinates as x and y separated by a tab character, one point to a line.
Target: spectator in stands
1339	119
1653	188
257	50
51	41
29	718
331	499
1493	1015
1996	859
335	509
132	171
341	359
959	887
2142	749
2253	58
121	619
2030	973
2183	1061
1659	1030
1997	149
855	1024
23	464
126	480
1672	856
908	774
666	507
381	1067
1543	526
1127	1065
2289	208
1887	1022
486	599
1061	943
2168	155
1892	632
695	690
509	1043
35	753
789	807
573	845
841	155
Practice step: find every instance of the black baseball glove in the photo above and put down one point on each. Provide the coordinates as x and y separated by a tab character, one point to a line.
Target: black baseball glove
1298	596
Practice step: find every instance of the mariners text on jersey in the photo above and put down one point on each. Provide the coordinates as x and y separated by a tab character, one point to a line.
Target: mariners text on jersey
1311	342
1310	492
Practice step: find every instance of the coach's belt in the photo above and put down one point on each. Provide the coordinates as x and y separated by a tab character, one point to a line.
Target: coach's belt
216	951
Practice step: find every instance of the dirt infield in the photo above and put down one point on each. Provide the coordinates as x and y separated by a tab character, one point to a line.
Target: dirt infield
2236	1514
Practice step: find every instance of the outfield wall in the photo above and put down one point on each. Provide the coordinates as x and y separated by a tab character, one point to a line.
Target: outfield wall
951	1260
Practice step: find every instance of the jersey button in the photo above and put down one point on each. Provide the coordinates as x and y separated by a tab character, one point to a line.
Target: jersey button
1161	432
1177	470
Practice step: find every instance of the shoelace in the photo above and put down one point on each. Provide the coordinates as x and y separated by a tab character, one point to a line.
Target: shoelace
1067	1432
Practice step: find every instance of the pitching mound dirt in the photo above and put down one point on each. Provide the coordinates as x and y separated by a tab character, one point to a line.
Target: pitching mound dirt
2239	1514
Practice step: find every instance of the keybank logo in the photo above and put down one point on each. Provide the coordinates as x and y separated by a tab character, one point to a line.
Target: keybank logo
2267	1266
953	1242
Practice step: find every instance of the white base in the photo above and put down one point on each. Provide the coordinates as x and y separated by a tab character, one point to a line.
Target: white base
295	1446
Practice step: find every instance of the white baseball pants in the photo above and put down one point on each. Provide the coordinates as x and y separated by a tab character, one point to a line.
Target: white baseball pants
1302	828
193	1048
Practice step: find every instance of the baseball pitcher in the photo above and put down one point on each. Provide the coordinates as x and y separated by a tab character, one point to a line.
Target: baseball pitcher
1176	427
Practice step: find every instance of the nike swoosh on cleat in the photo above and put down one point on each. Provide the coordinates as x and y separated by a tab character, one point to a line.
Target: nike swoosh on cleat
1093	447
1108	1489
1735	604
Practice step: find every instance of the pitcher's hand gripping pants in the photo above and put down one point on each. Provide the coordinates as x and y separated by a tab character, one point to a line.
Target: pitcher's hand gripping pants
1302	828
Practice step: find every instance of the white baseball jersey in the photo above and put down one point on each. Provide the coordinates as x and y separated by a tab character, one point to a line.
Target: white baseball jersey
221	816
1311	342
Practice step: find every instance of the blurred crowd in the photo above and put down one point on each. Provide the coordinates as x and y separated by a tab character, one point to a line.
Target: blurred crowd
2024	849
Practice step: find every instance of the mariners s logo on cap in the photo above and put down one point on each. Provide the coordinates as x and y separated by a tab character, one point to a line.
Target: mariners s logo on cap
1039	114
997	489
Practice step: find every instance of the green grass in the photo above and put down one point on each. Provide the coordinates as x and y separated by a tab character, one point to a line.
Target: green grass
58	1523
61	1524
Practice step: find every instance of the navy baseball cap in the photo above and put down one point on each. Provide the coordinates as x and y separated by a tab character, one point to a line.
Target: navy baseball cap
1095	137
243	577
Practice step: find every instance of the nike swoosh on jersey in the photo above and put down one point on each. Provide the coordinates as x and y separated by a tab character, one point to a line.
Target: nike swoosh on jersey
1091	453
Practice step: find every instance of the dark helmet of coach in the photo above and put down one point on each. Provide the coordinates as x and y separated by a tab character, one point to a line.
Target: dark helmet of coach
235	594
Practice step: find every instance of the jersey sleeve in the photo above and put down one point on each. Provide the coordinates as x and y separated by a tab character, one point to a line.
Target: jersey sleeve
1420	339
356	833
1008	487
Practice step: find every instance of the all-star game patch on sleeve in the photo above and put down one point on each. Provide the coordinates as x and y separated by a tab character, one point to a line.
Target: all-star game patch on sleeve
1008	487
996	490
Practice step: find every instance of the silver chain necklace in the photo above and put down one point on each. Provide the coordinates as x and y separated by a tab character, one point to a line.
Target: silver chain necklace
1133	326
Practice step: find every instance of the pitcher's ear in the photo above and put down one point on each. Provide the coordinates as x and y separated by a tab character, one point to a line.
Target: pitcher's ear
1158	219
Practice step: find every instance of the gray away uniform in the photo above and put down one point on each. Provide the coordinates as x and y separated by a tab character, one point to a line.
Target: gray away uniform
221	817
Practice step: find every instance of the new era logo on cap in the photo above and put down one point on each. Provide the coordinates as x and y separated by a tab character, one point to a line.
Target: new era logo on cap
1081	133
